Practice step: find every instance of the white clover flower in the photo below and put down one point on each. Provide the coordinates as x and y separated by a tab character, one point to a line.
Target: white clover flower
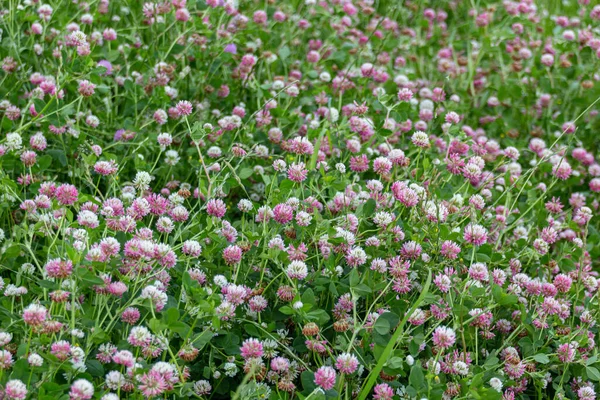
142	181
220	280
13	141
84	386
383	219
325	77
231	369
297	270
35	360
78	38
176	198
496	384
77	333
77	355
5	338
172	157
245	205
461	367
334	114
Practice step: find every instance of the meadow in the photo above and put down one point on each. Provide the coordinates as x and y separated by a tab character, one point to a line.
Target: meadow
312	200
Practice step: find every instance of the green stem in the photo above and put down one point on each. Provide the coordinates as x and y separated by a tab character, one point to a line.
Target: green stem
370	382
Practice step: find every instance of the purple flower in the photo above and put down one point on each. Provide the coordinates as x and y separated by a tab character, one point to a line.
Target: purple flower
106	64
230	48
119	135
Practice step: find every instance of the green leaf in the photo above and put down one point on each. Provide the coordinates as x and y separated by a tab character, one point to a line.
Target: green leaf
129	85
245	173
416	377
44	162
393	320
354	278
426	163
51	390
284	53
362	289
502	298
593	373
541	358
333	289
198	132
155	325
98	71
251	330
113	55
341	56
320	316
20	370
368	208
491	362
483	257
94	367
308	297
39	104
591	360
177	49
202	339
308	381
12	252
58	155
287	310
181	328
313	158
395	363
382	326
171	315
88	278
47	284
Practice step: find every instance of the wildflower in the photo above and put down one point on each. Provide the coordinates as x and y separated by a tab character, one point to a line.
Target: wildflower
232	255
251	348
383	392
420	139
15	390
216	208
81	389
297	270
34	314
297	172
405	94
346	363
443	337
142	181
325	377
283	213
496	384
58	268
6	360
184	108
566	352
202	387
475	234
